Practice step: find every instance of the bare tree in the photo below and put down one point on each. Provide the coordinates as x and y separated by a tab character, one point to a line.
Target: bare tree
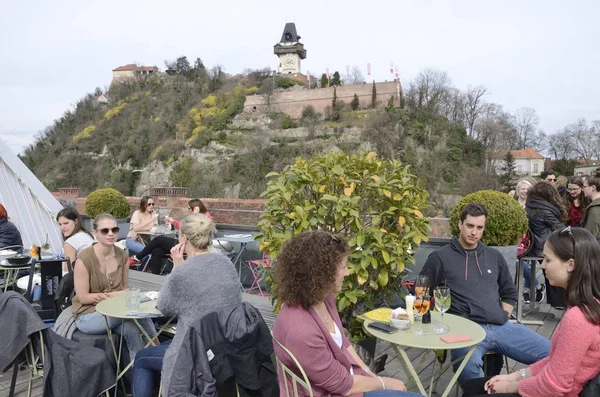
560	145
267	91
452	105
539	141
526	121
428	89
473	106
355	77
582	138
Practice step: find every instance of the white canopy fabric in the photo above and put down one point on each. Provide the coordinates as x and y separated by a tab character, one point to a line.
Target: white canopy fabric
30	206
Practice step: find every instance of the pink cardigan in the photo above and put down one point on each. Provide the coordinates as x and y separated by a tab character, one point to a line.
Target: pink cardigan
326	365
574	359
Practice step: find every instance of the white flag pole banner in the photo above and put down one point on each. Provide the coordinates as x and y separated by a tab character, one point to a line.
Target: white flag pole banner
30	206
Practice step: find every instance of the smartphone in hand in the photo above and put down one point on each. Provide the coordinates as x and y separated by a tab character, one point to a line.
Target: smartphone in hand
379	326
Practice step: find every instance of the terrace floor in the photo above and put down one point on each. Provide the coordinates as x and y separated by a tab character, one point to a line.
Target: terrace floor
393	368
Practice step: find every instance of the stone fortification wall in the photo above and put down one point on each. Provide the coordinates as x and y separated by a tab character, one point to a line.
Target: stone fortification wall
292	101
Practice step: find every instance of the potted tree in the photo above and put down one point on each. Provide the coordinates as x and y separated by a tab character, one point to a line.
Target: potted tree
375	204
109	201
506	223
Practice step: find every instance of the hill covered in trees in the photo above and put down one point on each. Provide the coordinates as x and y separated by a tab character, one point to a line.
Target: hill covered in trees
187	130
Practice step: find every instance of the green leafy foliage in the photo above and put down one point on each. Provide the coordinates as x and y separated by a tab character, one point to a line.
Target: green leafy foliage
336	80
509	170
375	204
506	222
354	103
108	201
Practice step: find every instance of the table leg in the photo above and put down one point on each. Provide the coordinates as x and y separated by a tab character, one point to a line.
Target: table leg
8	278
459	371
408	368
148	338
238	261
116	354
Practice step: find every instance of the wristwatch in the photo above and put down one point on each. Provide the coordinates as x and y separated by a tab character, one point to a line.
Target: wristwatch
523	373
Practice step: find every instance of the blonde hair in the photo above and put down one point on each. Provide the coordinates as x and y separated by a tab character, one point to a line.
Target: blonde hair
198	228
102	217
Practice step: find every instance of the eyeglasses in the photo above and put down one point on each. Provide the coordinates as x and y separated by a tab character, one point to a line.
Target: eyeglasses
574	189
105	231
568	230
150	204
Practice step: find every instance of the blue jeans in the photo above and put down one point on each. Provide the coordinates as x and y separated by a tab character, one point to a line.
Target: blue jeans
513	340
527	275
390	393
133	246
94	324
147	366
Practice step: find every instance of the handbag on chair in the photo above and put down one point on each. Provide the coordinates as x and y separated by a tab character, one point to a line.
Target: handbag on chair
592	388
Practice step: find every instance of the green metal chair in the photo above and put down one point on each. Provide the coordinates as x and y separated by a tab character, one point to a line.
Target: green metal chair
290	377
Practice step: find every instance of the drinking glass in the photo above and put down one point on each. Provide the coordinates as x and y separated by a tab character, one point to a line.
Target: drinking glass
133	300
443	300
422	307
421	286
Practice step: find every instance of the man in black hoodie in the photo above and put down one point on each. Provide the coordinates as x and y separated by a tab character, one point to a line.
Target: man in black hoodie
483	291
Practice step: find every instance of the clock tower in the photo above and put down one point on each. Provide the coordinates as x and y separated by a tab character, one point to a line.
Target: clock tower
289	50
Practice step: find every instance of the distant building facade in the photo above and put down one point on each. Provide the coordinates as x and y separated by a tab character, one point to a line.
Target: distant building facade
528	162
132	70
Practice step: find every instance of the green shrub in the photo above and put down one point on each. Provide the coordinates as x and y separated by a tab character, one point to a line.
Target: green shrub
287	122
308	112
374	203
506	221
109	201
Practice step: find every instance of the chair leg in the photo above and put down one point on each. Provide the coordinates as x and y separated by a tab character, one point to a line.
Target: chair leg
13	382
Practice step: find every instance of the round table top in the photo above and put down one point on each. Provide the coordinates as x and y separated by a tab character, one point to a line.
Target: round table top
457	326
17	267
117	307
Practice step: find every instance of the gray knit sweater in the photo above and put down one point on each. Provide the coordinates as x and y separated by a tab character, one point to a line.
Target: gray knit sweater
201	285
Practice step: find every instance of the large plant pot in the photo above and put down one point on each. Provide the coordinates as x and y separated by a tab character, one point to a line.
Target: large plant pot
510	256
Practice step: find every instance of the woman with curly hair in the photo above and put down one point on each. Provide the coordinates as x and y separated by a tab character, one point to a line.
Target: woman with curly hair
310	271
575	200
546	214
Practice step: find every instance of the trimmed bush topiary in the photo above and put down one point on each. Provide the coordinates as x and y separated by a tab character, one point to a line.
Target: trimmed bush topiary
108	201
506	222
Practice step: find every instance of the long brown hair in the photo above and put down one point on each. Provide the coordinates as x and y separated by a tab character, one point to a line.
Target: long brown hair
546	191
583	287
583	200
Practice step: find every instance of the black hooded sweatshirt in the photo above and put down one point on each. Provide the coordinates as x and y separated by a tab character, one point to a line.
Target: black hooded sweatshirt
479	281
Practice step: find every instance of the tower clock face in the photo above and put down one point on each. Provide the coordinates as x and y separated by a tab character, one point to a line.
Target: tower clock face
289	62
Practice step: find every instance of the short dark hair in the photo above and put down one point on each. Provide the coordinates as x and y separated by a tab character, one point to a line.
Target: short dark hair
594	180
307	266
583	287
545	174
473	209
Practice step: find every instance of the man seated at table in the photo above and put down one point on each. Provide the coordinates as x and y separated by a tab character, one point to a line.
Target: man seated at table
483	291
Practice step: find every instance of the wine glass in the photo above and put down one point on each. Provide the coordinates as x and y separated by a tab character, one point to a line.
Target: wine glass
421	286
443	300
422	307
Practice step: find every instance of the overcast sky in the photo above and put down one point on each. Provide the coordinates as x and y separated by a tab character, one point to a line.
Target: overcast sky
541	54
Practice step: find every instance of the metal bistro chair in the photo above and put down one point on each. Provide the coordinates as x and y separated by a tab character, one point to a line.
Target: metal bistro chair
257	269
290	377
35	363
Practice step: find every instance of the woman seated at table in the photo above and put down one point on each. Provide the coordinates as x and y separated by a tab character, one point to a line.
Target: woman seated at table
161	246
9	234
76	237
101	272
142	221
198	285
310	271
571	261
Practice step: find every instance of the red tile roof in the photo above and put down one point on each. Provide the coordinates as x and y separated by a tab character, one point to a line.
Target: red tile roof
132	67
528	154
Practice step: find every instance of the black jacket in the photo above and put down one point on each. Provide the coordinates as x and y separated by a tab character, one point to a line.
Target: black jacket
232	344
544	218
9	235
479	281
70	368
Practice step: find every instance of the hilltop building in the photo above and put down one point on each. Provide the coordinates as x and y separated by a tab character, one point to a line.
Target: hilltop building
528	162
132	70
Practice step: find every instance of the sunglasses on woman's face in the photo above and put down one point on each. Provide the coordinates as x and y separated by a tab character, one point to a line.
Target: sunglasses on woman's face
105	231
150	204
